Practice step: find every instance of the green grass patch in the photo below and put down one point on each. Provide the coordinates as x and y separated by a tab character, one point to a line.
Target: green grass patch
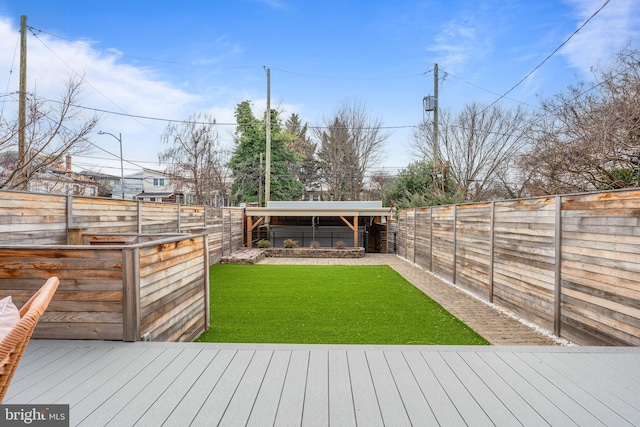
326	305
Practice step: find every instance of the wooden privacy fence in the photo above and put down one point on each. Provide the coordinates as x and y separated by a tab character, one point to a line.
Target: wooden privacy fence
128	270
155	290
43	219
570	264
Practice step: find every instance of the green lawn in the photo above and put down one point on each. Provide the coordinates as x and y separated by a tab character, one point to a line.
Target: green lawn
326	305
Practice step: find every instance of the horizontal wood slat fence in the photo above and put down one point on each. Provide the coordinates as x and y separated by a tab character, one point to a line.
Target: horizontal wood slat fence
133	270
570	264
41	219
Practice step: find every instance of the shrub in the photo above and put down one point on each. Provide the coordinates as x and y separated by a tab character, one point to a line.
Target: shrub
290	243
339	244
262	244
315	245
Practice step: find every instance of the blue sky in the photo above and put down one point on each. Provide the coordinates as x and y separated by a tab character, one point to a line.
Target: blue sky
173	59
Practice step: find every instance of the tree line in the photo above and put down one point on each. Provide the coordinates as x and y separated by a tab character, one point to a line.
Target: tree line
586	138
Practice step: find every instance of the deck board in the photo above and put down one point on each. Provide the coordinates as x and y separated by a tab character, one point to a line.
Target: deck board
417	407
91	399
391	405
316	396
341	410
591	404
550	413
265	408
611	394
455	389
365	400
292	398
245	395
133	387
442	406
492	396
178	384
551	388
162	408
138	404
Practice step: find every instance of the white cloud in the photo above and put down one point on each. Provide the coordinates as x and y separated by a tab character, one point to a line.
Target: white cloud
109	84
609	31
275	4
458	41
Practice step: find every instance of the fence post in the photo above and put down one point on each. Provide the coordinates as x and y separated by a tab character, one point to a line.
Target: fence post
69	214
415	246
455	242
557	294
207	308
431	238
406	234
139	216
221	231
131	294
179	215
231	232
492	230
204	216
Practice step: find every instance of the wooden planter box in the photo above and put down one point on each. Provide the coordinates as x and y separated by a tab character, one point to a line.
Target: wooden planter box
156	289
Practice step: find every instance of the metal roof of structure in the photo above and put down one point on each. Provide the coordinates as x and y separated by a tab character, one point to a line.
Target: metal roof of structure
302	208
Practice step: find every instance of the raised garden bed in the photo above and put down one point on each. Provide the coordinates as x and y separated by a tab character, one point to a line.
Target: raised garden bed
244	256
315	253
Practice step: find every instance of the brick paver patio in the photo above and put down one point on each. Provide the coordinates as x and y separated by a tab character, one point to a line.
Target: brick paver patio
495	326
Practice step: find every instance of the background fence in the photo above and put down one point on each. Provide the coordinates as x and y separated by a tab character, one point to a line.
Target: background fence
570	264
41	219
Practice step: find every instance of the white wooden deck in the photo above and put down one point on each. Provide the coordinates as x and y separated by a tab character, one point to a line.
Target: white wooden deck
176	384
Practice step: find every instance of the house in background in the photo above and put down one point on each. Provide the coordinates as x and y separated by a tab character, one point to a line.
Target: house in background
150	186
105	183
54	178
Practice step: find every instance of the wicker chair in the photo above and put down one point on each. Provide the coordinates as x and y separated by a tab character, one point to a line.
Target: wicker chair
13	344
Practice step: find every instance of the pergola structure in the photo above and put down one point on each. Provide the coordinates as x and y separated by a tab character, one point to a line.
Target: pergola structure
349	212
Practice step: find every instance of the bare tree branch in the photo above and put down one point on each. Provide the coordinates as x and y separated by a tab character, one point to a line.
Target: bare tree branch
196	160
350	143
51	132
475	144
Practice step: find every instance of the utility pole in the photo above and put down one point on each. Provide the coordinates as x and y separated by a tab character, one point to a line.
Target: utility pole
119	138
22	102
431	104
436	146
121	166
260	184
267	180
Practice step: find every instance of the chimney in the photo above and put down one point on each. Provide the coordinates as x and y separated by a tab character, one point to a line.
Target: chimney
68	162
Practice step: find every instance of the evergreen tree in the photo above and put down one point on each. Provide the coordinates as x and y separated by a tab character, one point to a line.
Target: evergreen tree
414	187
306	167
250	139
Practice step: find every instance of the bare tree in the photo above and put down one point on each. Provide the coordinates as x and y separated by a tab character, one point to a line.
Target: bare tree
52	130
474	145
350	143
196	160
588	138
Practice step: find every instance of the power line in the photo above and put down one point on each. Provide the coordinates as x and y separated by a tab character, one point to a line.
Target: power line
348	78
213	123
109	52
15	53
550	55
489	91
